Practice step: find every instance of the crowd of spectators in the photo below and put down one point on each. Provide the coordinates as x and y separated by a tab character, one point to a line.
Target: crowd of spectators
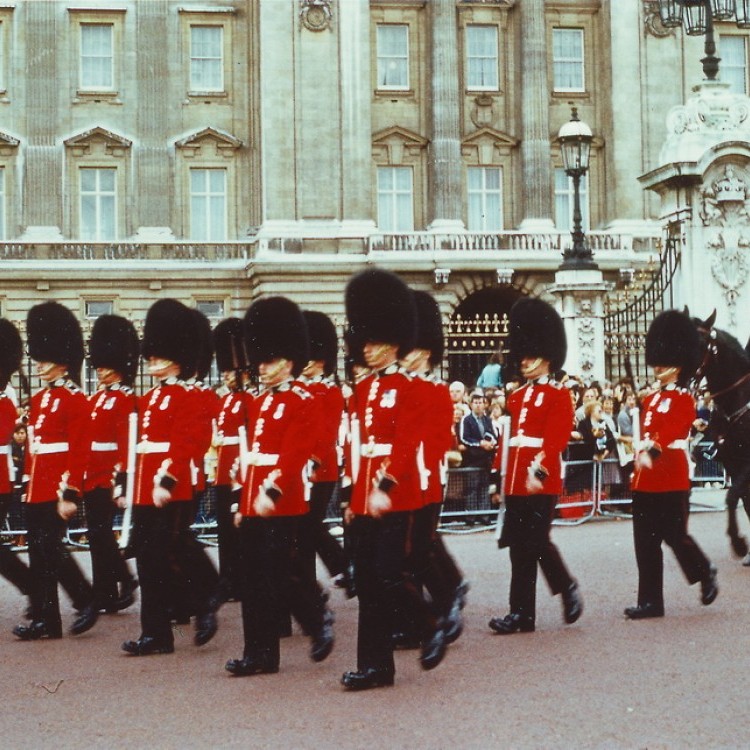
601	432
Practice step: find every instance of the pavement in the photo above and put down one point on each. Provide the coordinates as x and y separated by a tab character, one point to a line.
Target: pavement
604	682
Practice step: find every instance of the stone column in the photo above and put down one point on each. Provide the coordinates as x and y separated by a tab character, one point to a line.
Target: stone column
580	302
445	164
357	203
536	155
43	160
154	181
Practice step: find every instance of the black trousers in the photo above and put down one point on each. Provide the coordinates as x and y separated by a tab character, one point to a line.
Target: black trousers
50	562
273	585
387	595
663	517
229	544
11	567
326	546
526	531
108	567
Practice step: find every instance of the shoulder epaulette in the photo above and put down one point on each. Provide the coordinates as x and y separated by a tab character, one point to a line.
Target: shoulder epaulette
301	392
73	387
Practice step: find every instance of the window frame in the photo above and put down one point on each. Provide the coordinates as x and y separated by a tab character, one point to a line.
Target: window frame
581	62
743	39
470	86
569	194
406	57
394	193
99	195
209	17
115	18
483	192
207	196
221	88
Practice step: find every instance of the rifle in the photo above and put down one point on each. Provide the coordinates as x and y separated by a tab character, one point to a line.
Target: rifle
505	435
127	515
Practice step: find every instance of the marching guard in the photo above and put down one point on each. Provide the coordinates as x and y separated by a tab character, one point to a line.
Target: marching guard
272	506
164	488
319	377
114	352
432	564
231	360
386	490
58	431
661	481
541	414
11	353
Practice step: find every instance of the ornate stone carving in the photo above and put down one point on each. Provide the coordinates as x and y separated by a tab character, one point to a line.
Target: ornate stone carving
652	19
483	113
316	15
586	330
725	212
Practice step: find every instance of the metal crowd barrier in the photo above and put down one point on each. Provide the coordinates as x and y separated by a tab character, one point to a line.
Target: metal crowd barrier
589	491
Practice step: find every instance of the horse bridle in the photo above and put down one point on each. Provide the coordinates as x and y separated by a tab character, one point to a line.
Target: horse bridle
711	351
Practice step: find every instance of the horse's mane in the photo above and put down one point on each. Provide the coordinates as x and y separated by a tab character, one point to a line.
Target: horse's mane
743	353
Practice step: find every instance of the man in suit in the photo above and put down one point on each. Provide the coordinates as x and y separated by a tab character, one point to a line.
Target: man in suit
477	442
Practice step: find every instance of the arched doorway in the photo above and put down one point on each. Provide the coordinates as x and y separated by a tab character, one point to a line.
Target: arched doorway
477	329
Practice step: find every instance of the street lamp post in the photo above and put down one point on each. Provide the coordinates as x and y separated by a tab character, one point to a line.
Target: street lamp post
575	144
698	16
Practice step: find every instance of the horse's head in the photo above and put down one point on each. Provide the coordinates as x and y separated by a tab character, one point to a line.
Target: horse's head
723	360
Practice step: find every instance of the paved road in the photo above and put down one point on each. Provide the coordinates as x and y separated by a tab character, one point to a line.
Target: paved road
680	682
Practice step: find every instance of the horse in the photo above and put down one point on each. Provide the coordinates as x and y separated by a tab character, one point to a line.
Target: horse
725	366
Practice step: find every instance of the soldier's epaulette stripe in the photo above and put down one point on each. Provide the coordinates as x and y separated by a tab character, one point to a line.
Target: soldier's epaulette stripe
73	387
301	392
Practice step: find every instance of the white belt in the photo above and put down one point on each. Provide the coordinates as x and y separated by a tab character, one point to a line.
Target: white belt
38	448
373	450
524	441
679	445
147	446
103	447
228	440
4	450
261	459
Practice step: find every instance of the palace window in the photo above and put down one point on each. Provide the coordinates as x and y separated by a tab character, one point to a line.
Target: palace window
733	53
208	205
481	58
98	204
393	56
485	199
97	57
207	58
568	60
395	199
97	308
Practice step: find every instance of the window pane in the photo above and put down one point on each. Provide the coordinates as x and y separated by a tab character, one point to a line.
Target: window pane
733	53
393	56
564	200
96	308
208	205
481	57
485	204
206	58
395	199
98	213
96	56
567	59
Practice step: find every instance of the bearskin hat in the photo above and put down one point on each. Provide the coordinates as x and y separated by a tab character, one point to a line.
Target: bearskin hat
204	350
54	335
11	351
229	344
324	343
673	341
114	344
536	330
275	328
380	307
169	333
429	327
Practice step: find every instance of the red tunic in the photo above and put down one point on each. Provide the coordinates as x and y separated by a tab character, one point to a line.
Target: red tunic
328	412
59	417
111	408
165	444
205	405
280	440
437	437
541	413
666	418
387	409
8	419
232	416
